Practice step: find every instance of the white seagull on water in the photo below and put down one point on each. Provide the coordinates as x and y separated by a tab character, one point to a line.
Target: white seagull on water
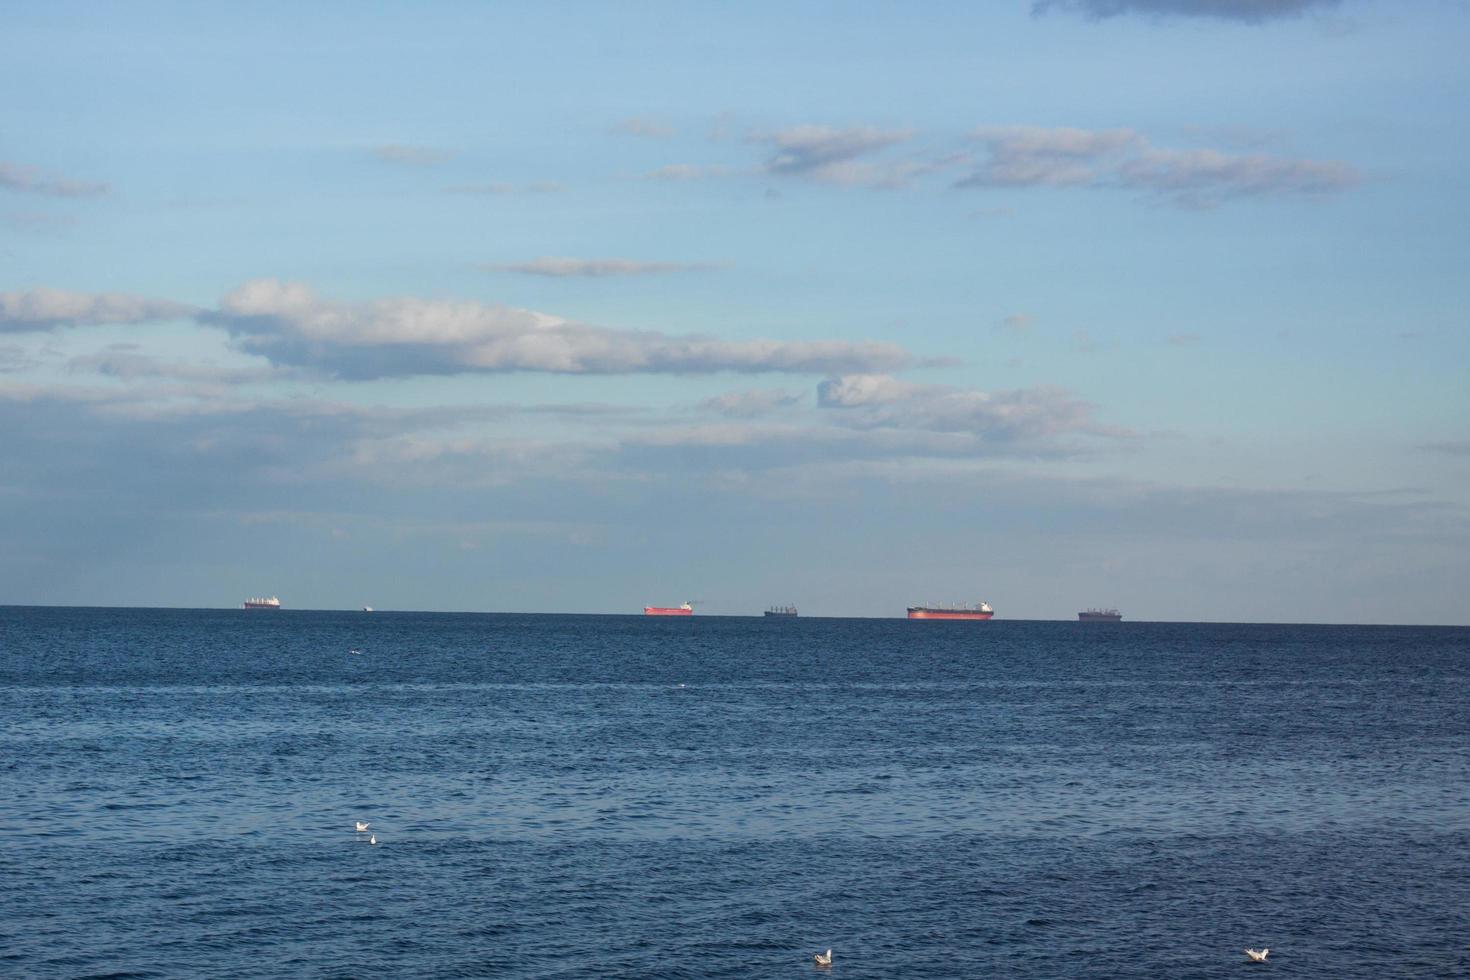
1258	957
362	826
373	839
824	959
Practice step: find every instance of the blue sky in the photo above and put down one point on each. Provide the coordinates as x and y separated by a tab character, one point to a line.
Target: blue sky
1150	303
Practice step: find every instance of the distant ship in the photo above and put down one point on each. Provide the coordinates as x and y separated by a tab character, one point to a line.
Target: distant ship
367	608
789	611
981	610
271	603
686	609
1100	616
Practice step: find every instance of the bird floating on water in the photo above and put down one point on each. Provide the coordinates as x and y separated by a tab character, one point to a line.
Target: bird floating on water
373	839
359	652
1258	956
824	959
361	826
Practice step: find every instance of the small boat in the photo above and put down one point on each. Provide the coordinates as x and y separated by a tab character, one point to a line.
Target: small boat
367	608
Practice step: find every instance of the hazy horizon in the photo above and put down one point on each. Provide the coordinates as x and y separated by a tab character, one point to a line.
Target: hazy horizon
1149	304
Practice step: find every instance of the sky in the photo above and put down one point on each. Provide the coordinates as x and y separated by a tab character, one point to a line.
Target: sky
577	307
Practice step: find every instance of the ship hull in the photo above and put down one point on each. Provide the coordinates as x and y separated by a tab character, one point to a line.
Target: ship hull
948	614
1098	618
666	611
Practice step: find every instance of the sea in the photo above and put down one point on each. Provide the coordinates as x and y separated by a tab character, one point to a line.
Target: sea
620	796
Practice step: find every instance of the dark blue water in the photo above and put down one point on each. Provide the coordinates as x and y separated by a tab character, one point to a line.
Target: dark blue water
569	796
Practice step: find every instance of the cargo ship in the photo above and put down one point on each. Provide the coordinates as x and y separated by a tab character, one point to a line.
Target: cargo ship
980	610
787	611
271	603
1100	616
686	609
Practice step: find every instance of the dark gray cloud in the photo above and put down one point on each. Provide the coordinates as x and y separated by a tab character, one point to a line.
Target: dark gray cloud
288	324
558	267
1249	11
44	308
32	181
1032	156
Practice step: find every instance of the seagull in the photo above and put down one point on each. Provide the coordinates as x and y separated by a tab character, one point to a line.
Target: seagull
373	839
355	651
824	959
1258	957
361	826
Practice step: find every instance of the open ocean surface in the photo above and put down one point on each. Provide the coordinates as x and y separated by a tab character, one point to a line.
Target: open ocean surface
614	796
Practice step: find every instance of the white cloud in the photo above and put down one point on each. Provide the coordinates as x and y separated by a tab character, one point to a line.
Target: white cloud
289	324
44	308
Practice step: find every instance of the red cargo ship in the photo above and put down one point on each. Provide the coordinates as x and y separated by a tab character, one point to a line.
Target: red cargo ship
980	610
685	610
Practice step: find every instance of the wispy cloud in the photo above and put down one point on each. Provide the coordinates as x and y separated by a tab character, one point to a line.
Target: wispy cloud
1018	323
1021	156
1453	448
410	155
1249	11
15	359
1203	177
881	401
644	127
1030	156
289	324
129	365
832	155
752	403
32	181
501	188
568	268
39	222
44	308
690	171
